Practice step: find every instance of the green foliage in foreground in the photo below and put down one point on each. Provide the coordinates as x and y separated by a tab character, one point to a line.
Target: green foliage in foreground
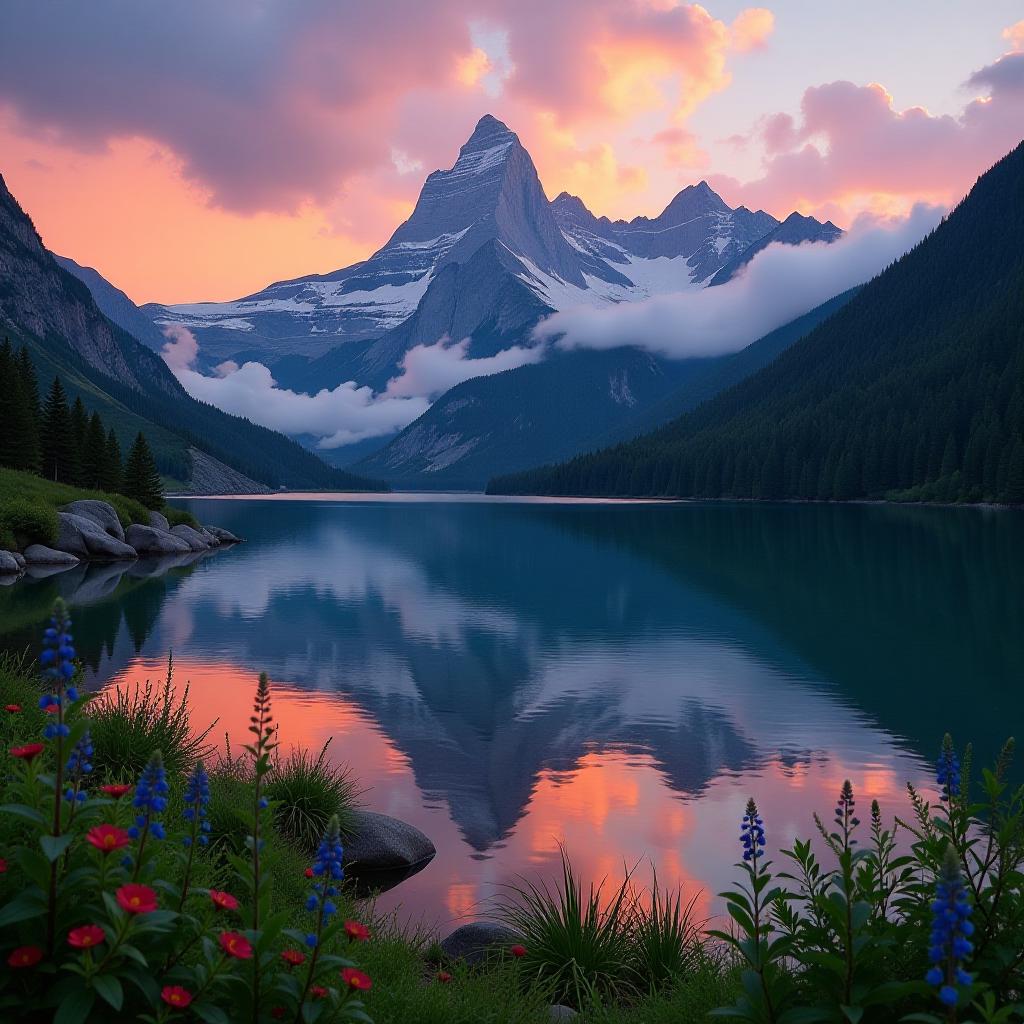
29	504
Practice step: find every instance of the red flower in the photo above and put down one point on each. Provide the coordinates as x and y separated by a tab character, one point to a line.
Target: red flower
136	899
175	995
444	977
277	1012
318	992
52	709
107	838
3	866
223	900
308	872
518	951
117	792
292	957
235	944
13	708
356	979
356	932
86	936
25	956
27	752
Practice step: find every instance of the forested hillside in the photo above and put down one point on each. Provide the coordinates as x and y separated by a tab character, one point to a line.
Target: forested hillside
914	390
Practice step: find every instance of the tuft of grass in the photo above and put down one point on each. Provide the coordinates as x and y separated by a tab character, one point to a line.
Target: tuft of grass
128	727
179	517
578	945
24	522
665	939
305	792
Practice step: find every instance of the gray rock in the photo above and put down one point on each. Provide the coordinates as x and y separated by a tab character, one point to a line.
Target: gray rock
9	564
193	539
84	538
474	942
102	514
42	571
224	536
20	559
382	843
159	522
40	554
148	540
210	538
561	1012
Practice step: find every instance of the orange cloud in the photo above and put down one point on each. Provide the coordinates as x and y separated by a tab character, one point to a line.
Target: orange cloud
1015	35
751	29
471	69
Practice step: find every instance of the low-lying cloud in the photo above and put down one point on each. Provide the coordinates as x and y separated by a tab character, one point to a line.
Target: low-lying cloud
335	416
779	284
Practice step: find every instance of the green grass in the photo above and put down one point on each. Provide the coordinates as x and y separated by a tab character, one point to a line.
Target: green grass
129	726
306	792
29	504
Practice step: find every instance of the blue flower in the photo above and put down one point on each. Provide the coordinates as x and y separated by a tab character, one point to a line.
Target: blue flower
310	939
751	833
150	798
949	944
947	769
80	761
58	654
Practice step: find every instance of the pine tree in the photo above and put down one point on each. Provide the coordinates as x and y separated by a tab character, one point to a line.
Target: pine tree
7	396
94	453
57	439
112	473
141	479
19	409
79	430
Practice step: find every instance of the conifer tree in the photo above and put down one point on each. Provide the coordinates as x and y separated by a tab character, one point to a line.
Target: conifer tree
56	436
112	473
141	478
94	453
19	405
79	430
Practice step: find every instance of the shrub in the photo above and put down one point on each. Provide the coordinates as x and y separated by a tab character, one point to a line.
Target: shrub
23	522
128	727
666	941
307	792
179	517
109	922
578	946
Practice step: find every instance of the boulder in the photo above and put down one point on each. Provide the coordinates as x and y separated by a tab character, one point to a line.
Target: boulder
102	514
40	554
9	564
148	540
473	943
20	559
210	538
84	538
194	540
561	1012
159	522
224	536
382	843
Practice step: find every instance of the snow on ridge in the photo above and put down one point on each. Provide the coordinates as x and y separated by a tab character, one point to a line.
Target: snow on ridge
443	241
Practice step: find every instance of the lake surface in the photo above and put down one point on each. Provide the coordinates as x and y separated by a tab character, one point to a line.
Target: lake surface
511	676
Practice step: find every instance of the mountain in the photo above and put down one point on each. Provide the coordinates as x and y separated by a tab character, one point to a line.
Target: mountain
54	314
914	389
484	256
794	230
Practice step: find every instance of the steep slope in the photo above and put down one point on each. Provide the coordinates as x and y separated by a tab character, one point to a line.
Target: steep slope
54	313
503	422
915	388
794	230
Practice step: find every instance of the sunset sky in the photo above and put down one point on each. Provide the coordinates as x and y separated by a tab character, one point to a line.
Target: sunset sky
196	151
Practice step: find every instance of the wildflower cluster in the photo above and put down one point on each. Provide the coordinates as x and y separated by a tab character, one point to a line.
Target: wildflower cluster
327	867
101	926
950	943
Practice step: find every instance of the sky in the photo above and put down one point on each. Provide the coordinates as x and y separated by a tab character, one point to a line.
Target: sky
196	151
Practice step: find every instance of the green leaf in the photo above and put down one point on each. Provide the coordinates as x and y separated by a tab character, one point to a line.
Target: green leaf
22	908
54	846
853	1013
211	1014
24	811
109	989
75	1008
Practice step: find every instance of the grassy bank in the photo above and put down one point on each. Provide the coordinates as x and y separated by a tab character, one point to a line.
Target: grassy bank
29	505
870	922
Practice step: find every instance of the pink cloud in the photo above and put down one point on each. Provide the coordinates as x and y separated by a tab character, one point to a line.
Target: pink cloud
852	148
751	29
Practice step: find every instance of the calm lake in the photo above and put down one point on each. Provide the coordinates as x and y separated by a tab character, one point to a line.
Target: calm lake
511	675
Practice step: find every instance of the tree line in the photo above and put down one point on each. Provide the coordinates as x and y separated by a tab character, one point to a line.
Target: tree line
61	441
